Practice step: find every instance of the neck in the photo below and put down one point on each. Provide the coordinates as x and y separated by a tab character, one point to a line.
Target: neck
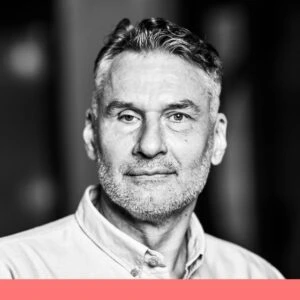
167	237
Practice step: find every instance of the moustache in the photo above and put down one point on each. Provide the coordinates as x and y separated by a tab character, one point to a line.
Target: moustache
142	167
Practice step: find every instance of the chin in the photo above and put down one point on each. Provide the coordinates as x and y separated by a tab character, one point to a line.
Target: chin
153	216
152	208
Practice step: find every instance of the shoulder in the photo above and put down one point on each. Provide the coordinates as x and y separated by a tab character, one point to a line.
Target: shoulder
228	260
28	248
41	232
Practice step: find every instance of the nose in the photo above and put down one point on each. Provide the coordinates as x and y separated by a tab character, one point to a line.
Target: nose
151	141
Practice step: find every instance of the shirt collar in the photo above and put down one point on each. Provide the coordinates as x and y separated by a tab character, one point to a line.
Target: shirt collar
121	247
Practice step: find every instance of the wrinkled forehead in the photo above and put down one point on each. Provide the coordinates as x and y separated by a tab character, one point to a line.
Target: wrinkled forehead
157	69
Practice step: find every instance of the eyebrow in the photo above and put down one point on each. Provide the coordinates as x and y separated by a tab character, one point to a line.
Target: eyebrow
186	103
117	104
182	104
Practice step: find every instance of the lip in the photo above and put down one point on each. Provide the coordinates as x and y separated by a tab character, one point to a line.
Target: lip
151	173
150	177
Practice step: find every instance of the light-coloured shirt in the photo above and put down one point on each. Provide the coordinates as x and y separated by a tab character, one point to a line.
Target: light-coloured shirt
87	245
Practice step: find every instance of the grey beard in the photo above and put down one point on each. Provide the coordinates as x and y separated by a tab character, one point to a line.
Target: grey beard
142	203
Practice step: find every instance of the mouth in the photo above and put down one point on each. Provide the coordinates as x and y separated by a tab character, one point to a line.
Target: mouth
151	175
154	172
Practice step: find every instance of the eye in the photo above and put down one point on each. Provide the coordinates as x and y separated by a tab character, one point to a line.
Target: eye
178	117
128	117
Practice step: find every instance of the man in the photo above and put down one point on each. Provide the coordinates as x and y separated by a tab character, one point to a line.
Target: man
154	129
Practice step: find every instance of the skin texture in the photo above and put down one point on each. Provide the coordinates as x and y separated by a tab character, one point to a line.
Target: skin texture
154	142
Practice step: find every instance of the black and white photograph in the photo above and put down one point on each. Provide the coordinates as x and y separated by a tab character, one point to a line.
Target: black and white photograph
149	139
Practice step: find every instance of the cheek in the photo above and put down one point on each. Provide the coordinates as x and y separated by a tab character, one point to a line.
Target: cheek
188	149
114	147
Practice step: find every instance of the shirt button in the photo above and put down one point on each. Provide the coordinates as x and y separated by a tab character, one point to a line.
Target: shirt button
153	261
134	272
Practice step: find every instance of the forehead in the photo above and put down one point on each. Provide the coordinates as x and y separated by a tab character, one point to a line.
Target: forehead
155	76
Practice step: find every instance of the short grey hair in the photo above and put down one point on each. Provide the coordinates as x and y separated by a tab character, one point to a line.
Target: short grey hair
159	34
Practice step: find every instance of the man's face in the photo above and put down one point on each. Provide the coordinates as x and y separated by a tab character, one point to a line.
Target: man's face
155	137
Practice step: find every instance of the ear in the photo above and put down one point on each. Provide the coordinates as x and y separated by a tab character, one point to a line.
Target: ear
220	142
88	136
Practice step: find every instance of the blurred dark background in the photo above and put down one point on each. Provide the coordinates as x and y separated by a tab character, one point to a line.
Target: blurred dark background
47	50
